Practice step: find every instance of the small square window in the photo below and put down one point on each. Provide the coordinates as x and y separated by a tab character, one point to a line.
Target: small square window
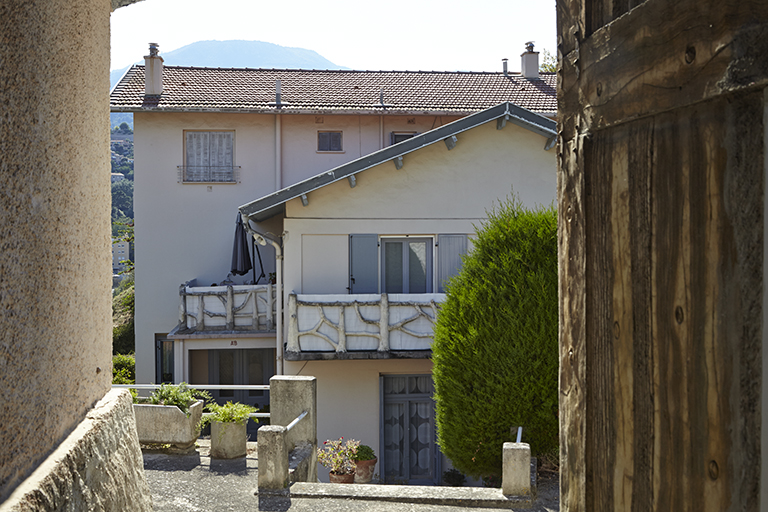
396	137
329	141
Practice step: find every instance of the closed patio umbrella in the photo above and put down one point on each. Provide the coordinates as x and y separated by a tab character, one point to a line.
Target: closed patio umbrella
241	256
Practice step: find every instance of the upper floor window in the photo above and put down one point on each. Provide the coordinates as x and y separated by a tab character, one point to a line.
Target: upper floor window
329	141
395	137
209	157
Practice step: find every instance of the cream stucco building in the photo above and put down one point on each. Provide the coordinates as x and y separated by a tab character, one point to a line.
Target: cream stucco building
370	184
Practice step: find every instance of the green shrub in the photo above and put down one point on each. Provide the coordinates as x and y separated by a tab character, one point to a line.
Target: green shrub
364	452
123	308
231	412
123	369
495	349
181	395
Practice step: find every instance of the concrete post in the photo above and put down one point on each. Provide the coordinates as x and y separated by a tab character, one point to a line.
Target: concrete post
516	469
289	396
273	458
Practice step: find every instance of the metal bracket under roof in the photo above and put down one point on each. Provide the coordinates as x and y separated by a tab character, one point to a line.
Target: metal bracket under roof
398	162
550	143
352	180
501	122
304	199
450	142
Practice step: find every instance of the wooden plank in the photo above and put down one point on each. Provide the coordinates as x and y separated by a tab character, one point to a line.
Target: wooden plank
573	368
625	70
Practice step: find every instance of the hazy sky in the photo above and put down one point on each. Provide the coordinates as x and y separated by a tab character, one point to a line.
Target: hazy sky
447	35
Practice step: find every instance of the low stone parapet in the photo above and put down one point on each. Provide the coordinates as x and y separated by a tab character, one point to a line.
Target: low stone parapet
99	466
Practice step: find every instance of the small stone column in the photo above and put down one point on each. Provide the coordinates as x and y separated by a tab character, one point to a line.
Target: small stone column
273	458
289	396
516	469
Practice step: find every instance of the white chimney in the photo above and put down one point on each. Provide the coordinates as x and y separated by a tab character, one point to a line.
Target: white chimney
530	62
153	72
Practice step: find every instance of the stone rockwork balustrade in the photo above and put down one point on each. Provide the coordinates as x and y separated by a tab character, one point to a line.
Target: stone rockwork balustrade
227	308
372	322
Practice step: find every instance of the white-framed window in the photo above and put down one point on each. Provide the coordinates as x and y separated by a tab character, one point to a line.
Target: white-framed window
395	137
406	265
209	157
329	142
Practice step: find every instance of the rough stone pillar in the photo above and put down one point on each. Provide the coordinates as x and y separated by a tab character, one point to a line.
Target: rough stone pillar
289	396
55	261
516	469
273	458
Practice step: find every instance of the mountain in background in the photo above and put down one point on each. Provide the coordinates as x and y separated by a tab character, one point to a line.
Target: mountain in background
238	54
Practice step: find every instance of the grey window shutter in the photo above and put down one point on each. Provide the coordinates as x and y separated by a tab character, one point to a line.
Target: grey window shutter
363	263
449	251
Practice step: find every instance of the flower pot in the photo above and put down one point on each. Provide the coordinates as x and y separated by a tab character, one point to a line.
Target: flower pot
364	471
166	424
346	478
228	440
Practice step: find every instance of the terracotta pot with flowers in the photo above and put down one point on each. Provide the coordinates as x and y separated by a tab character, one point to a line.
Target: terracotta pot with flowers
339	457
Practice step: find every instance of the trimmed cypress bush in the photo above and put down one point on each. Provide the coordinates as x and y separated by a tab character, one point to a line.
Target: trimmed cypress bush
495	349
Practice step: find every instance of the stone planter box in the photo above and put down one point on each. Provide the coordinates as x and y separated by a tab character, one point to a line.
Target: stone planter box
166	424
228	440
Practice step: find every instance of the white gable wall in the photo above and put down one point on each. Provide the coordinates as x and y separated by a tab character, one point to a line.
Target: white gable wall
436	192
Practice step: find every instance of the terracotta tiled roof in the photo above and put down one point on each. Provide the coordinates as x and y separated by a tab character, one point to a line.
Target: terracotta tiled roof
232	89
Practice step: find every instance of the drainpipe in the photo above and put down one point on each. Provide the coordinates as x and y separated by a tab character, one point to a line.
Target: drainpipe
262	240
278	152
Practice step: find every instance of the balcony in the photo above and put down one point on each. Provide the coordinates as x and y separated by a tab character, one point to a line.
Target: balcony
361	326
226	309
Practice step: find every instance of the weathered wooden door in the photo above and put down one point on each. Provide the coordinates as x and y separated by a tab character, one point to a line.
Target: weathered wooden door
661	206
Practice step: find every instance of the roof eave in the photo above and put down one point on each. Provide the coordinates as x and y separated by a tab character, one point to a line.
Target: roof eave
273	204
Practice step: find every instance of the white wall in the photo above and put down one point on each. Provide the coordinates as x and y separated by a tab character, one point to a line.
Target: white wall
185	231
437	191
348	396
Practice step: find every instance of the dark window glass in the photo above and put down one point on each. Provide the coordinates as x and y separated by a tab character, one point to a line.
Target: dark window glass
329	141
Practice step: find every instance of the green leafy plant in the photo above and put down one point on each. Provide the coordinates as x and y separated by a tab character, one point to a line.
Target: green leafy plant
123	369
231	412
338	455
364	452
181	395
495	349
454	478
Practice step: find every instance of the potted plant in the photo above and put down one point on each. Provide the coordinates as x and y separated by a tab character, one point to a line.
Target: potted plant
228	423
338	456
365	463
171	415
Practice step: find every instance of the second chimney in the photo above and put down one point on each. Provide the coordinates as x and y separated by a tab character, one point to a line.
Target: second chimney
530	62
153	72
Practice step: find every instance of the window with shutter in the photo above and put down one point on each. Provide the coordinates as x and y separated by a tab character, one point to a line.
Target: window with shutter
363	263
449	251
209	157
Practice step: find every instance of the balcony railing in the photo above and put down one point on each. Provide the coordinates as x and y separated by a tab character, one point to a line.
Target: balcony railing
227	308
342	323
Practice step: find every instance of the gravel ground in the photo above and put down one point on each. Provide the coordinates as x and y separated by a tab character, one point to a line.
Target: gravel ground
195	482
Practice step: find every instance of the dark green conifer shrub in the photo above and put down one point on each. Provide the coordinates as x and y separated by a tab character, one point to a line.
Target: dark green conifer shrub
495	349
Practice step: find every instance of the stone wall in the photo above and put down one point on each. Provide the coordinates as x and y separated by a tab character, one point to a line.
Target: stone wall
55	268
98	466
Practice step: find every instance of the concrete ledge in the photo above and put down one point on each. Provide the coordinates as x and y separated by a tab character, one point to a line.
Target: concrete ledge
97	467
475	497
358	354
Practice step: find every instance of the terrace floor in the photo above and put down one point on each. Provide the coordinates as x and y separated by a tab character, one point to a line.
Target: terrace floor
195	482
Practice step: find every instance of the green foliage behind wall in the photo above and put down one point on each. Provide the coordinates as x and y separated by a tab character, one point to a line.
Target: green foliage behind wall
495	348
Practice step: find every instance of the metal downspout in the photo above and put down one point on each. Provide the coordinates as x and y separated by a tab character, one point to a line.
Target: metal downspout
262	239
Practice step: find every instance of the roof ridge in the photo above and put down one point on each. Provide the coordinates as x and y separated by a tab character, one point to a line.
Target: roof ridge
340	71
